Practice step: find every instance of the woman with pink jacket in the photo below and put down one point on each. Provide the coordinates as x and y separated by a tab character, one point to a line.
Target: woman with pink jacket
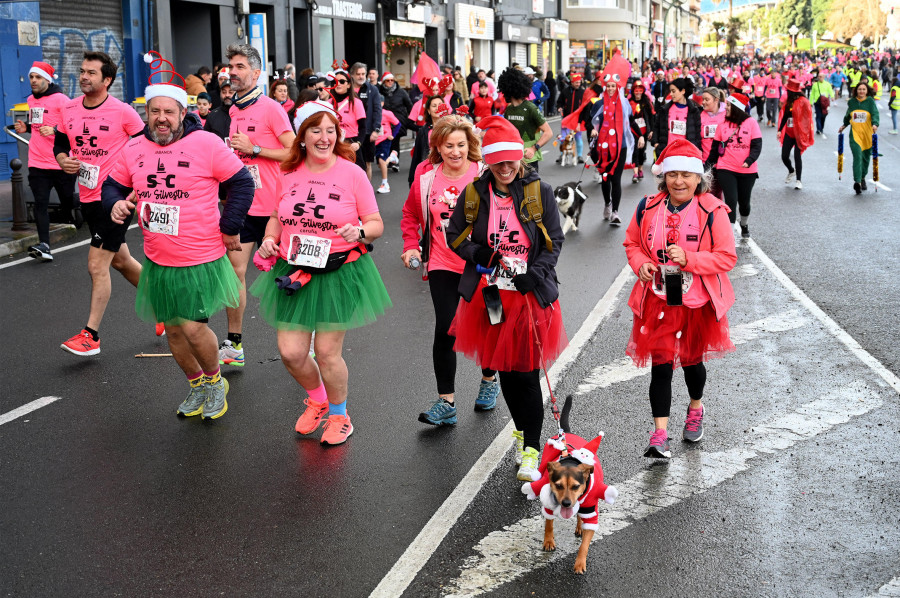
680	244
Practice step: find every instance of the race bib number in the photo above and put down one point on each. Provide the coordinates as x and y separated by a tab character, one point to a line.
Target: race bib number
307	250
160	218
860	117
254	172
37	115
641	123
679	127
790	122
760	90
516	266
709	131
88	175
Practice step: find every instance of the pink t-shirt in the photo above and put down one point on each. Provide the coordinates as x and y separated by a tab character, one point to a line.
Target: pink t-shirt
44	112
507	235
739	147
350	116
709	124
773	86
317	205
263	122
677	122
177	188
689	228
759	85
444	195
388	120
97	135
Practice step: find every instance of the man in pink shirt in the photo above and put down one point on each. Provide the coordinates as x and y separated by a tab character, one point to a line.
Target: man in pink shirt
44	173
773	95
172	174
261	136
92	131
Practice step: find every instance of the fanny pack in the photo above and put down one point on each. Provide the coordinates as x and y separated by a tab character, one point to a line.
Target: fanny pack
299	276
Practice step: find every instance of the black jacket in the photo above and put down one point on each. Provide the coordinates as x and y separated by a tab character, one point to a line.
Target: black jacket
218	121
421	149
541	263
397	101
570	100
371	99
661	126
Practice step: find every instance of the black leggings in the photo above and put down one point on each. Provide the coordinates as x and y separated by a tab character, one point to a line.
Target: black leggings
612	186
444	287
789	143
41	181
760	106
522	393
661	386
737	187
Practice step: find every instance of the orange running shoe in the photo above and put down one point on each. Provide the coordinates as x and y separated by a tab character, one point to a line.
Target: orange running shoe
160	329
337	429
82	344
312	417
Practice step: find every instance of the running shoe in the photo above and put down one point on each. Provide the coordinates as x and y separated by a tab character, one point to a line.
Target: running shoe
193	404
634	179
528	470
384	188
40	252
659	445
216	405
614	219
312	417
82	344
789	178
230	354
745	231
798	185
394	168
857	188
337	429
598	178
441	413
394	158
824	136
520	445
488	391
892	132
160	329
862	185
693	425
607	211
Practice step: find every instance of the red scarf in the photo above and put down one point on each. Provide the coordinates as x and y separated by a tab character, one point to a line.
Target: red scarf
611	137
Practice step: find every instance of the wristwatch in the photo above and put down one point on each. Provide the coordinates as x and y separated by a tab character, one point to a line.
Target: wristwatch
256	150
362	234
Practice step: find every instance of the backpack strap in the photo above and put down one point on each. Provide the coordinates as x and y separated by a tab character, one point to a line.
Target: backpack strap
472	203
532	210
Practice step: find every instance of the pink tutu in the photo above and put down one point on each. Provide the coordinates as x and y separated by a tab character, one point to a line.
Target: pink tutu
677	335
510	346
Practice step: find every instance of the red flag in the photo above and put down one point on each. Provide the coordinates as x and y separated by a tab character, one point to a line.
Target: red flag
426	69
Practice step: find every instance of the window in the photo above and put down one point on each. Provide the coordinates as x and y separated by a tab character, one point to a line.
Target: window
326	44
592	3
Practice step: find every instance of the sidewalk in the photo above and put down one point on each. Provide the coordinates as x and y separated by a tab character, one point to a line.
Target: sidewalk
12	242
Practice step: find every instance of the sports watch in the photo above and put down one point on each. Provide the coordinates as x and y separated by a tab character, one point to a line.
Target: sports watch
256	150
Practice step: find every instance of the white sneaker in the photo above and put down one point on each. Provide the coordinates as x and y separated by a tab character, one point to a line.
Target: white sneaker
614	219
598	178
528	470
607	211
894	132
798	185
393	158
384	188
789	178
824	136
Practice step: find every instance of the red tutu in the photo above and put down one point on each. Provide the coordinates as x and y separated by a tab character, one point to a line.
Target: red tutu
509	346
677	335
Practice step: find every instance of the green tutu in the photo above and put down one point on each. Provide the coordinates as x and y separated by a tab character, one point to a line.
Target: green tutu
176	294
349	297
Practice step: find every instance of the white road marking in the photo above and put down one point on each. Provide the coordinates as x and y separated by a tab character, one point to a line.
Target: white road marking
55	251
878	184
429	539
743	271
624	369
26	409
891	588
516	550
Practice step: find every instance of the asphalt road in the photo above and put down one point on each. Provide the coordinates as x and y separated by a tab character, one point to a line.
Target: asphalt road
106	492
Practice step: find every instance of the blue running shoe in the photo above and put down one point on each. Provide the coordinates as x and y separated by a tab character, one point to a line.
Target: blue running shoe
487	395
441	413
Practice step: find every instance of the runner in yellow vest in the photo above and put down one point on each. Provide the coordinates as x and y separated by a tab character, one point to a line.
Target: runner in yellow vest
894	103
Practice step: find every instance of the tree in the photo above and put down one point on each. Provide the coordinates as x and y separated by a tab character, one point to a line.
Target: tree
794	12
820	11
731	38
717	26
849	17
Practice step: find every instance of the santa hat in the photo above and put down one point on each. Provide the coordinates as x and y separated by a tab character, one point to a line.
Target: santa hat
44	70
680	155
168	89
587	454
313	107
738	100
501	141
576	77
386	76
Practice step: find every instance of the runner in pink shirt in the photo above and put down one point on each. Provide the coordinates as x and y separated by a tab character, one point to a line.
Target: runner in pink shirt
389	125
260	135
91	132
171	177
45	106
773	95
319	276
352	113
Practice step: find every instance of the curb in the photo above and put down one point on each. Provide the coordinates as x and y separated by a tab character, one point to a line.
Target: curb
23	240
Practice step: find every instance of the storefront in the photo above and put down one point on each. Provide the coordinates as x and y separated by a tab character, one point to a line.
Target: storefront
344	30
474	32
518	40
556	44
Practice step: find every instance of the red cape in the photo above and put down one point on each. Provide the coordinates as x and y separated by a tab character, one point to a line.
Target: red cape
801	112
571	121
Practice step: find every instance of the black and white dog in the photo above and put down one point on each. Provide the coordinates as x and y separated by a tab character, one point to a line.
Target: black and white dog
570	199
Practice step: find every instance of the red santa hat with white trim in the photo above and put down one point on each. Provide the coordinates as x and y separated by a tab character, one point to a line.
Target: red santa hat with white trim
679	156
739	100
44	70
501	142
168	89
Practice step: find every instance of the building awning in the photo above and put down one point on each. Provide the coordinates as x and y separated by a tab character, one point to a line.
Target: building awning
600	29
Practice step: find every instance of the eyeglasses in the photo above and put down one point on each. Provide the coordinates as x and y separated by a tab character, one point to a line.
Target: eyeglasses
341	82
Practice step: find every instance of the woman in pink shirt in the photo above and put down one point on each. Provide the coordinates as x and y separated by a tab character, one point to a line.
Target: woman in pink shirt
454	162
351	111
712	116
681	247
319	277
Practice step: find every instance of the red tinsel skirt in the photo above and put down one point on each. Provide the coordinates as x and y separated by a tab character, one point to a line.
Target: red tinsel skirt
677	335
526	340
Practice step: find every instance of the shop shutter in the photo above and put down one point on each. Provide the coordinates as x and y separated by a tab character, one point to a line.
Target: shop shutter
521	55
